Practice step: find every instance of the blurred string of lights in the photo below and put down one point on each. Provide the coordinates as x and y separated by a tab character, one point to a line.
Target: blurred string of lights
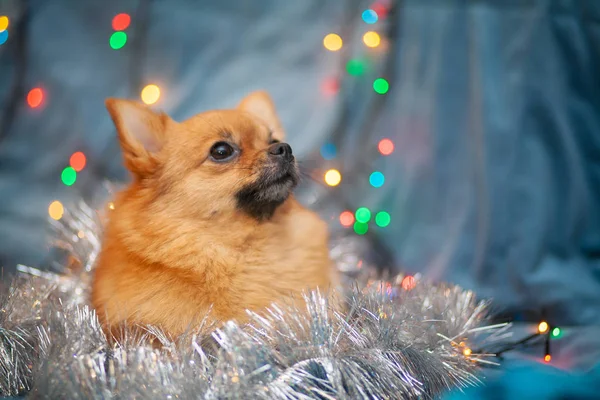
4	22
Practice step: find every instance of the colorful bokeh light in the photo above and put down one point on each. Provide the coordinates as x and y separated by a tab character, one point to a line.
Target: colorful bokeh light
4	21
330	86
382	219
363	214
369	16
547	358
381	86
332	42
68	176
556	333
408	282
121	21
333	177
77	161
467	352
543	327
371	39
56	210
385	147
118	40
150	94
360	228
3	37
328	151
377	179
356	67
35	97
380	8
347	219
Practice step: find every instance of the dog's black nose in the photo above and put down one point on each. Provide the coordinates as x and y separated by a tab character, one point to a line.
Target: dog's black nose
281	150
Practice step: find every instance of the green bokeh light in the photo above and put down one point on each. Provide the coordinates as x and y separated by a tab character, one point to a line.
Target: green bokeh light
381	86
363	215
360	228
68	176
382	219
356	67
118	40
556	333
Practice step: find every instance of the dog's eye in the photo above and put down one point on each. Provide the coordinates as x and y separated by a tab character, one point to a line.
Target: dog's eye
273	141
221	151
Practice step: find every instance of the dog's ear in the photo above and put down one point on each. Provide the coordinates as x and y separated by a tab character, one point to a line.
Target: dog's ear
141	133
261	105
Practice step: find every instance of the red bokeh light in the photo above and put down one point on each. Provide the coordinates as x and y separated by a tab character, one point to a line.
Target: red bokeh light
547	358
386	147
121	21
347	218
381	8
35	97
408	282
77	161
330	86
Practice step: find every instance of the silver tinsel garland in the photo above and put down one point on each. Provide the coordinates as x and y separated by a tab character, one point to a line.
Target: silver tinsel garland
392	343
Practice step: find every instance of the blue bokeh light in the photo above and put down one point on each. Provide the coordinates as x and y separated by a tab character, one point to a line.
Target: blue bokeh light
369	16
3	36
376	179
328	151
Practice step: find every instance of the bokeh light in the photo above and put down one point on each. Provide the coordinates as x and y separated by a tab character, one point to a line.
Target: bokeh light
347	219
118	40
408	282
332	42
77	161
360	228
369	16
35	97
150	94
3	37
382	219
543	327
356	67
467	352
121	21
381	86
328	151
333	177
68	176
380	8
371	39
385	147
363	214
547	358
4	21
556	332
377	179
56	210
330	86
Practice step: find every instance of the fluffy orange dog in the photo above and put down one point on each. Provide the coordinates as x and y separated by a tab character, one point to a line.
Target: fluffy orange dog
208	221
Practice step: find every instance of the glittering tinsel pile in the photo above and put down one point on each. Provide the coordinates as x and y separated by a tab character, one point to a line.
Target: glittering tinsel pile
392	343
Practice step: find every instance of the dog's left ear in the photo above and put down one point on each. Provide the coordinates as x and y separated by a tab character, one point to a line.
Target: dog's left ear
261	105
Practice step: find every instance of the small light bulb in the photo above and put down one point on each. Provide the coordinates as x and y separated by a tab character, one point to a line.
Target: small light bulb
467	352
543	327
547	357
333	177
332	42
150	94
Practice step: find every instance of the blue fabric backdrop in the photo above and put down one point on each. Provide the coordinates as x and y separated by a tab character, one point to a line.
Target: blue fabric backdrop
493	107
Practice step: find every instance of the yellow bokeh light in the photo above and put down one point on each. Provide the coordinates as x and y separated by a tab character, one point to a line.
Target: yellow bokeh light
3	23
543	327
80	234
333	177
371	39
332	42
150	94
111	206
56	210
467	352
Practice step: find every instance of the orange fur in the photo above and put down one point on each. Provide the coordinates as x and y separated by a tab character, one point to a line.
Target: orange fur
176	245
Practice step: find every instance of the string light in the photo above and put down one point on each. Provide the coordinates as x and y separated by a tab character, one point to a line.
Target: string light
385	147
369	16
360	228
77	161
333	177
381	86
56	210
3	37
408	282
328	151
4	21
330	86
118	40
467	352
382	219
347	219
363	214
68	176
332	42
371	39
556	332
356	67
377	179
547	358
380	8
150	94
121	21
35	97
543	327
